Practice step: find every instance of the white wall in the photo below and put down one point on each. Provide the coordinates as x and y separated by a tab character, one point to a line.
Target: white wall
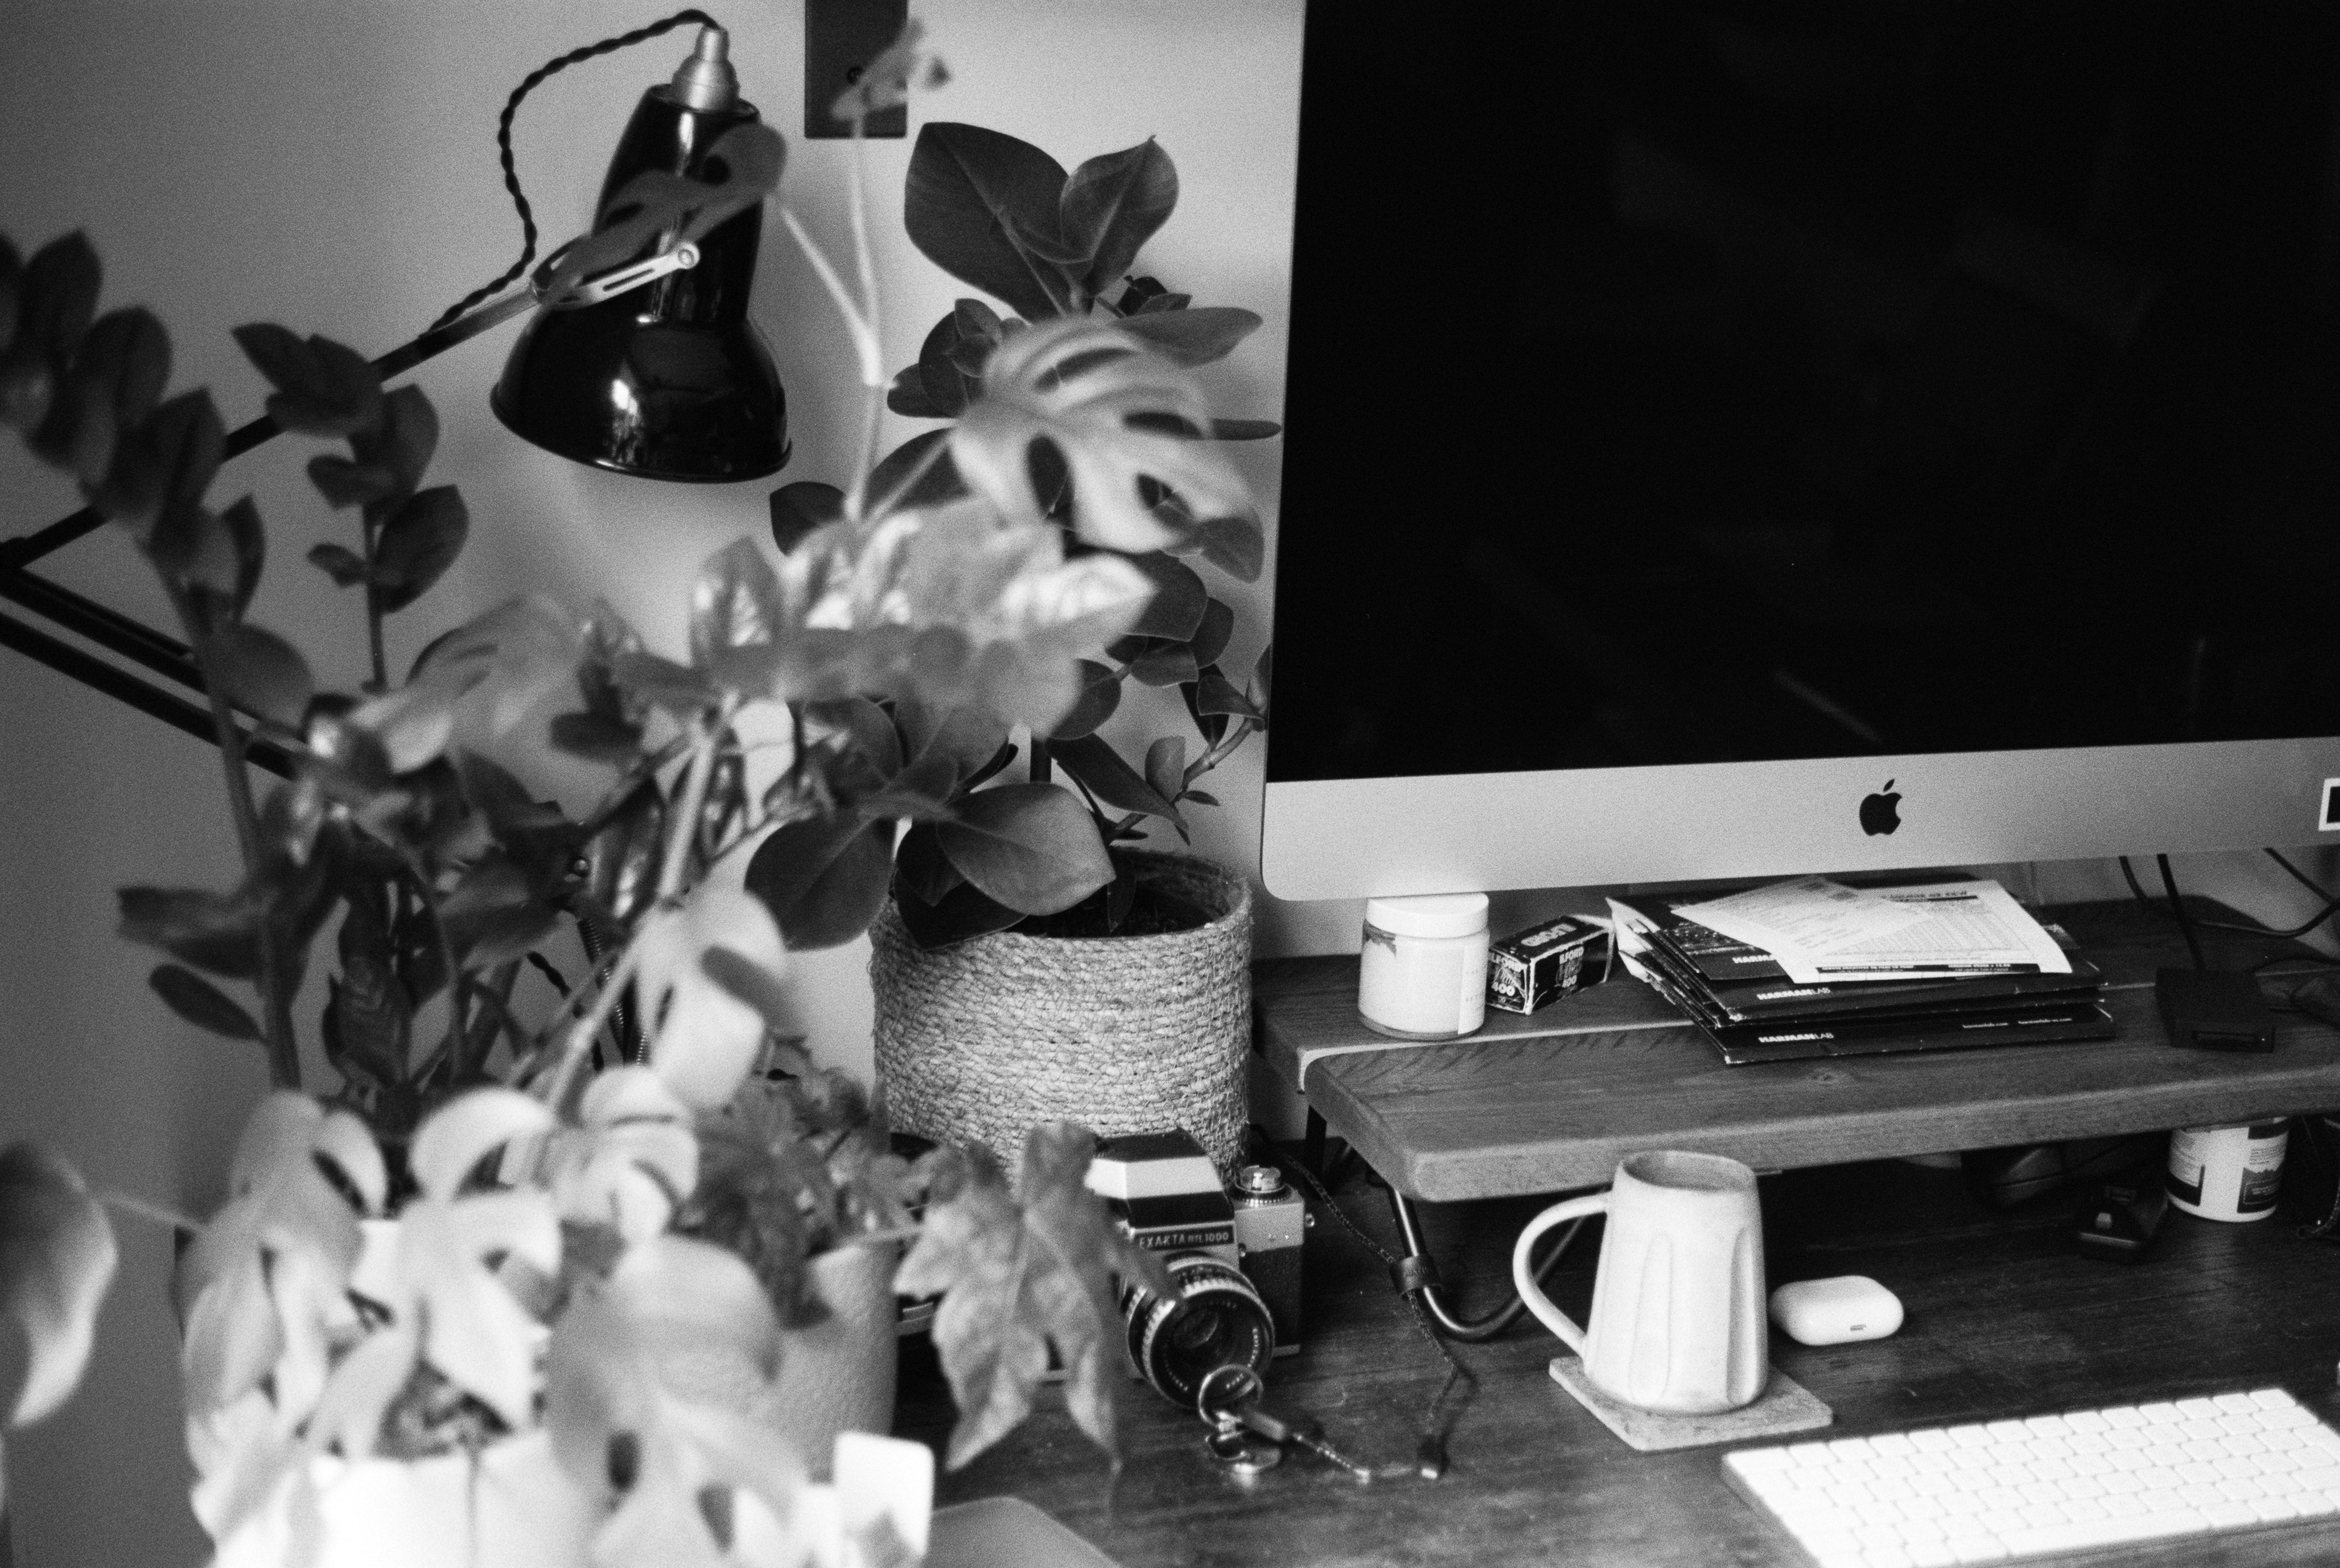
329	163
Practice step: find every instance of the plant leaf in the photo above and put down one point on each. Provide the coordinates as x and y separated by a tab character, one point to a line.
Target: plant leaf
945	387
1236	544
1019	1276
260	673
940	481
1112	205
823	879
1245	429
344	483
1180	601
1210	639
1195	336
663	209
56	298
973	202
1030	847
801	508
922	868
215	932
735	602
250	540
115	379
1100	695
201	1002
400	446
321	387
1166	767
705	1039
1164	664
1113	781
339	562
57	1259
166	462
1215	693
419	541
962	914
1108	408
193	548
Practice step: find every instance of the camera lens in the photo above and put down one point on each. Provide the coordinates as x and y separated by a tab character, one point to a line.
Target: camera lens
1216	1319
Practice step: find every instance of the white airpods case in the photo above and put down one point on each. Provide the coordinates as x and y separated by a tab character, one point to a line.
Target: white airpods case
1840	1311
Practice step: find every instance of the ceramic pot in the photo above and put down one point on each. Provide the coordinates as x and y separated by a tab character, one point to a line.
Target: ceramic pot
837	1376
978	1042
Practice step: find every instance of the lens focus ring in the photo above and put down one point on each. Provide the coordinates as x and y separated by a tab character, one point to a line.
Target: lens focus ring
1216	1319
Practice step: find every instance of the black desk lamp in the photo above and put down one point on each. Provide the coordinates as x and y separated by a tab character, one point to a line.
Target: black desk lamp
658	372
650	367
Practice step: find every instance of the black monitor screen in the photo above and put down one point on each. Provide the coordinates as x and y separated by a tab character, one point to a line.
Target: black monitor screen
1706	380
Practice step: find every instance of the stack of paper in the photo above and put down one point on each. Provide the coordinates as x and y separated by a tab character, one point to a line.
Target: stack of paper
1812	968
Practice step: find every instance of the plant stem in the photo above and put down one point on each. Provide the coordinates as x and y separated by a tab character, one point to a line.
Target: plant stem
866	346
277	1007
153	1213
374	605
705	739
454	1048
579	1045
909	481
873	370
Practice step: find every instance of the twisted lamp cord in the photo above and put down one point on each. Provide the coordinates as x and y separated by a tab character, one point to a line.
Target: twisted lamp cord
504	147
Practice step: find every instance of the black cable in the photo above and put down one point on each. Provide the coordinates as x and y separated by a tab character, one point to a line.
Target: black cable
504	148
1430	1453
2177	907
2298	876
2331	907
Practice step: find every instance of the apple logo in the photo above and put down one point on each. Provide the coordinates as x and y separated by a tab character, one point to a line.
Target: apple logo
1880	812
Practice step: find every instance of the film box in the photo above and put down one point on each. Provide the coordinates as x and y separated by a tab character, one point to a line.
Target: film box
1531	968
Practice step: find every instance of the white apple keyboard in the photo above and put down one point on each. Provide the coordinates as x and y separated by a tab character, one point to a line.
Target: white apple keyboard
2128	1474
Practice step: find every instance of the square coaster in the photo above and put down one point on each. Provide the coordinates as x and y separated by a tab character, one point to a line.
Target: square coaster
1784	1407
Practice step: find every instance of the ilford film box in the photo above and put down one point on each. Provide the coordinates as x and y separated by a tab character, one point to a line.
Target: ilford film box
1533	967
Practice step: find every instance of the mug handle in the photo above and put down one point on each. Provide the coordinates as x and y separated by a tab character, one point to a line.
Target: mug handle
1523	1276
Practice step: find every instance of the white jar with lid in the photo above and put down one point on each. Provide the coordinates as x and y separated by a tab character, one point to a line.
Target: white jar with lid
1421	973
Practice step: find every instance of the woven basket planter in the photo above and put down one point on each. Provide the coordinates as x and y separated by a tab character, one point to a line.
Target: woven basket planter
978	1042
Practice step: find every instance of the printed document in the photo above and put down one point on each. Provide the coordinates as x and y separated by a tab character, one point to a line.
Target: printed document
1939	928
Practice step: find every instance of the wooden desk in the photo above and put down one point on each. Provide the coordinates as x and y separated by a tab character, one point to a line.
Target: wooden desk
1551	1100
2004	1320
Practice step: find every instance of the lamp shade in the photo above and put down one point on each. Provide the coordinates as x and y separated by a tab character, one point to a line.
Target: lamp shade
669	379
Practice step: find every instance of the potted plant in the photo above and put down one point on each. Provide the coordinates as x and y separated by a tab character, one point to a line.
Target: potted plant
528	1292
1089	976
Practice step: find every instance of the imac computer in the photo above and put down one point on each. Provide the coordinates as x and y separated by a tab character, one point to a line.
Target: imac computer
1729	438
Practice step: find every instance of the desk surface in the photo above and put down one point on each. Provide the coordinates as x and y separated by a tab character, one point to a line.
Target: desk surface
2003	1320
1552	1100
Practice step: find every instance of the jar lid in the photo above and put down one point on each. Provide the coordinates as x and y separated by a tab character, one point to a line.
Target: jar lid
1431	915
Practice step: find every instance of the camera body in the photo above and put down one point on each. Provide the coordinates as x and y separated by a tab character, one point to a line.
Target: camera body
1236	1258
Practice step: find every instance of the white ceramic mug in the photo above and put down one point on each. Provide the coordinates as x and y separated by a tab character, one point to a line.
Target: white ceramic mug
1678	1304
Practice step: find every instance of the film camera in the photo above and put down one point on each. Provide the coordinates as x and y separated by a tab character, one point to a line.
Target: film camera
1233	1257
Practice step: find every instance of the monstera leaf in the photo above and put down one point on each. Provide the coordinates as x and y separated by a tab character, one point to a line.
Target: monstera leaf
262	1285
1021	1275
631	1160
443	1284
648	1380
1116	412
708	1036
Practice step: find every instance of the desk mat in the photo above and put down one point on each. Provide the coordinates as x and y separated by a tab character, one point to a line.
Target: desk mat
1785	1406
